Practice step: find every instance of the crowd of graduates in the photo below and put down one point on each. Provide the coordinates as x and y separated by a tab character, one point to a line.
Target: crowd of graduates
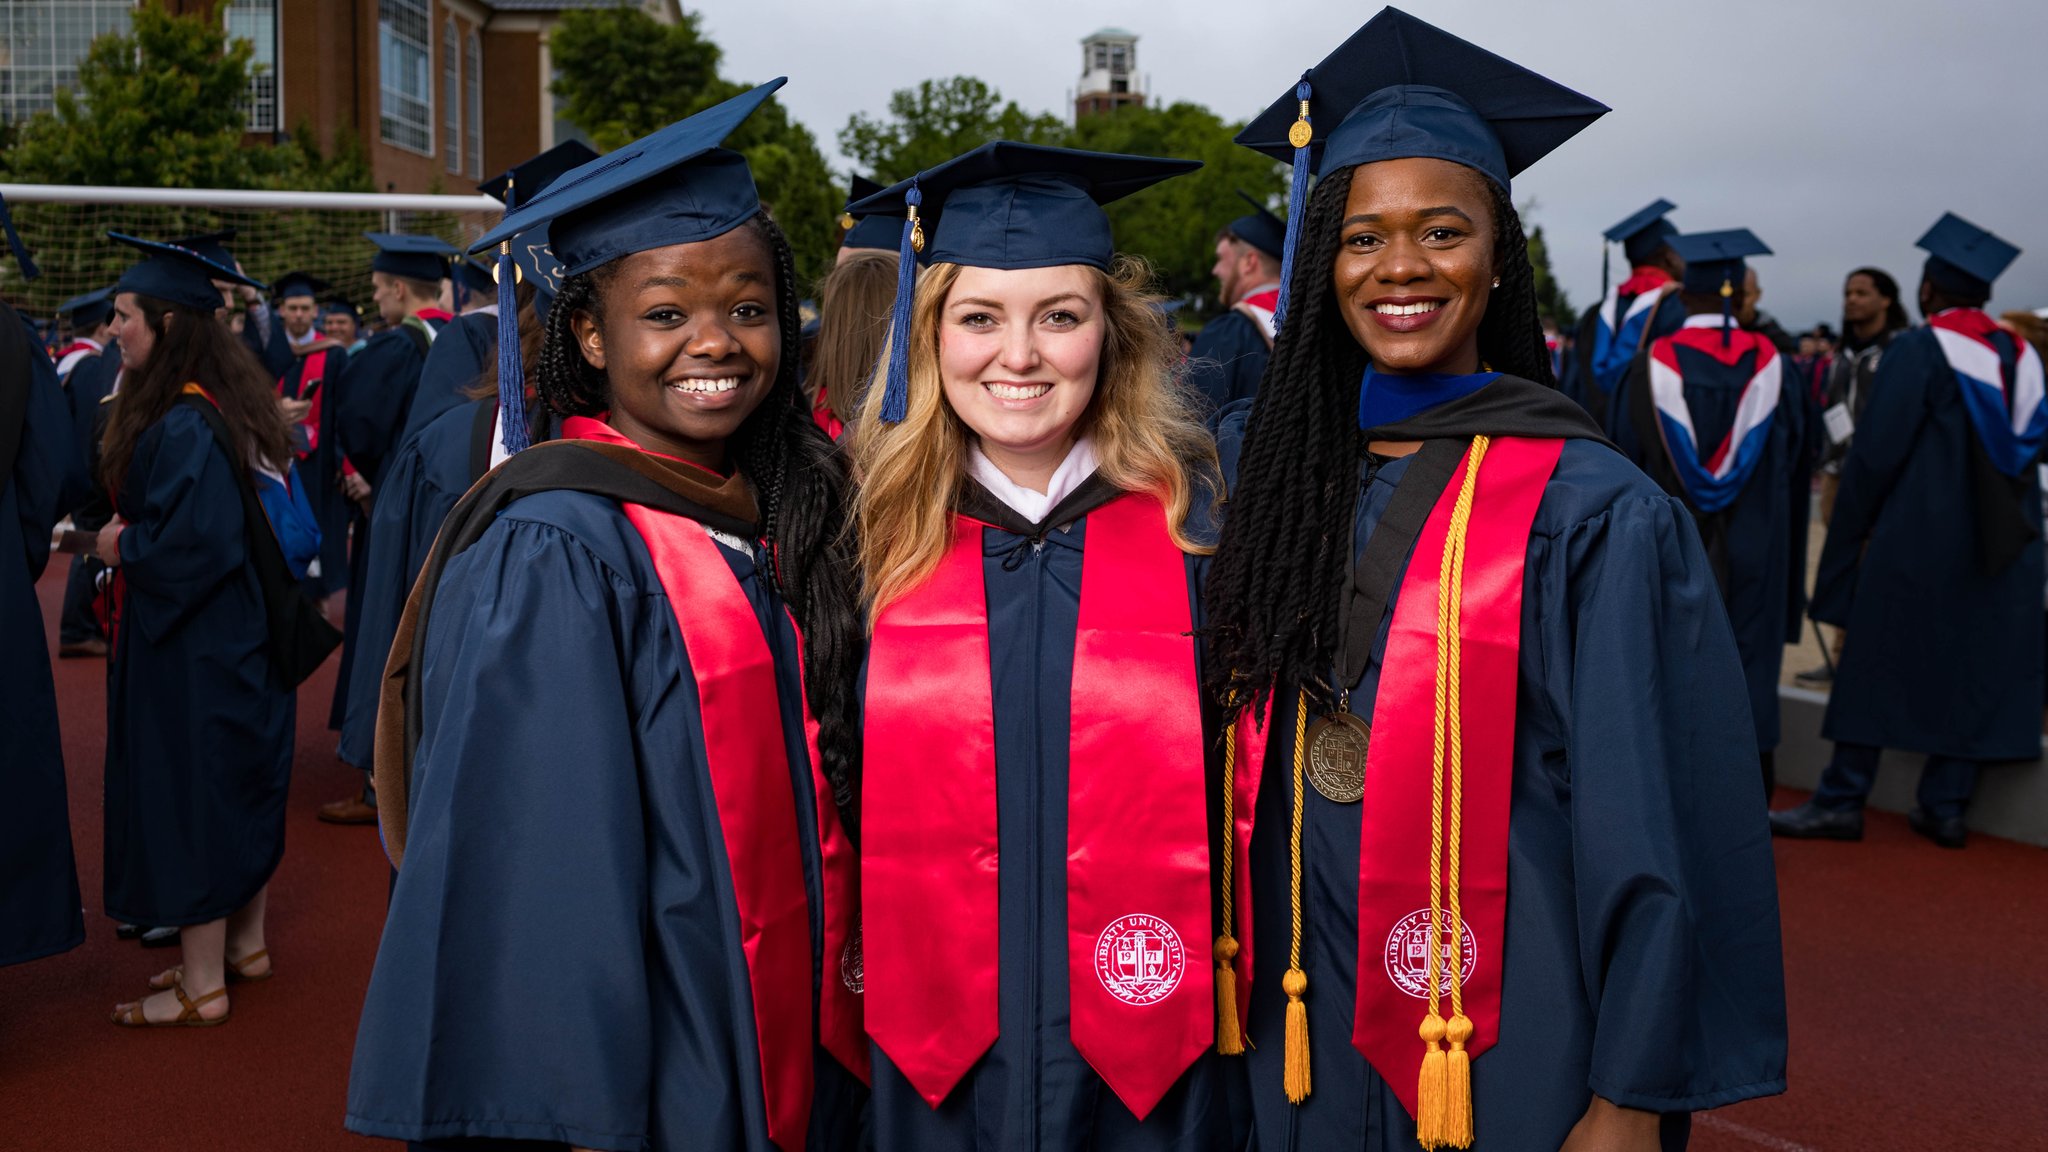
904	728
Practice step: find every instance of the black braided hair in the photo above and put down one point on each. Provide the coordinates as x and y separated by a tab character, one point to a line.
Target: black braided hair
1279	568
800	478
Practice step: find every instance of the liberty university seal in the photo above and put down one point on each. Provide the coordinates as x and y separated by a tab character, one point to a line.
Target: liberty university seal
1140	959
1407	955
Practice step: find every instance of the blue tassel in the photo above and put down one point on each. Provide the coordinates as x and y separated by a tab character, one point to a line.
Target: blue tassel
1297	204
896	382
29	271
511	371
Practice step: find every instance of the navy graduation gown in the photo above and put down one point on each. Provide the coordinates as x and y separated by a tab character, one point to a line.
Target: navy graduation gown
274	352
39	906
1578	380
199	740
1032	1089
1227	359
1643	958
465	347
320	471
562	959
1757	545
1942	657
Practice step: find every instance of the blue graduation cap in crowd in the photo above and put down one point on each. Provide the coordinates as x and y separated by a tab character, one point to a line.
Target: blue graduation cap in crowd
1401	88
1008	206
298	284
877	233
529	178
212	245
1714	262
413	257
1261	229
89	310
1963	258
473	278
176	273
1640	236
673	186
29	271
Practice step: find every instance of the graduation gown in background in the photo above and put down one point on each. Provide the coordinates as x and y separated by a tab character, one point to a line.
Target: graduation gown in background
466	346
1756	545
199	740
1597	365
1643	957
1228	357
376	392
39	906
1032	1089
562	960
268	341
321	470
1943	655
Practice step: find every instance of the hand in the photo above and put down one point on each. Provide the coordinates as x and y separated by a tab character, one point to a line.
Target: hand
1608	1127
294	410
355	487
107	546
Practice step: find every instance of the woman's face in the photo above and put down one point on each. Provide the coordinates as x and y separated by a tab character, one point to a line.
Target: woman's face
689	341
1861	302
1019	351
137	341
1415	264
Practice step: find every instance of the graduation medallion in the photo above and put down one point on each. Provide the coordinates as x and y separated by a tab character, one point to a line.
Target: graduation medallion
1336	756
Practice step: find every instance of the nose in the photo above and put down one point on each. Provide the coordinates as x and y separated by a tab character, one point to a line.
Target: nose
710	340
1402	261
1020	349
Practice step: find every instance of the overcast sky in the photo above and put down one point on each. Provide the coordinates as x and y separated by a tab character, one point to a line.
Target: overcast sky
1837	129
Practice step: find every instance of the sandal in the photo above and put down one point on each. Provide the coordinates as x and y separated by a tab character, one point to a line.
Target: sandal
130	1015
238	972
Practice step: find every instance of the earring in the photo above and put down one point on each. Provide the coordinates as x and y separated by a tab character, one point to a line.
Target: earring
1496	281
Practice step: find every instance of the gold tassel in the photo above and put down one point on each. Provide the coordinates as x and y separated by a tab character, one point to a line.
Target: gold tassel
1229	1033
1429	1089
1457	1111
1295	1073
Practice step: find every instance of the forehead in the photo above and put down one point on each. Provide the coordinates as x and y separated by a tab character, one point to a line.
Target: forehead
1026	286
1412	184
739	251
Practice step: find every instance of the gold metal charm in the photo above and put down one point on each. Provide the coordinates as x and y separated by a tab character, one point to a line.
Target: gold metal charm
846	221
1300	134
916	231
1336	756
518	273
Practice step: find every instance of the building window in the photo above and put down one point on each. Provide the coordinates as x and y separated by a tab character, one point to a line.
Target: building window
41	43
473	72
451	100
256	22
405	56
1117	62
1101	57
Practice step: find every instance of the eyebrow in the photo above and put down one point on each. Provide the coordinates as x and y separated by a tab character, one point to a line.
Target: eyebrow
981	302
684	282
1439	210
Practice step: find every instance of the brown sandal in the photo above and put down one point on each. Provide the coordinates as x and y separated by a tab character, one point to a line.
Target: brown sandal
237	972
130	1015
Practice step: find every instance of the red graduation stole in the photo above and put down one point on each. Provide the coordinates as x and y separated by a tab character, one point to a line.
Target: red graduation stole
1142	1002
312	374
1439	773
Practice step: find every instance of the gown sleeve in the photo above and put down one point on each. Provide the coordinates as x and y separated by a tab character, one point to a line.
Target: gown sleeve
1676	894
376	392
455	361
1885	435
517	935
184	511
395	528
49	475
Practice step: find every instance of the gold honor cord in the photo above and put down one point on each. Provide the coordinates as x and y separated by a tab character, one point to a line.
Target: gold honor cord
1294	1075
1229	1035
1443	1116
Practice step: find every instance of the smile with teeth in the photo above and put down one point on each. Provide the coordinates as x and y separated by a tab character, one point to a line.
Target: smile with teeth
1408	309
707	387
1017	391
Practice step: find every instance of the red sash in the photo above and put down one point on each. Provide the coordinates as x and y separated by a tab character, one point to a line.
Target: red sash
1141	997
821	412
1254	732
312	373
1394	860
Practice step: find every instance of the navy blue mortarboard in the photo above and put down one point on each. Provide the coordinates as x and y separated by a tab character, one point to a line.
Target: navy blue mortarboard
473	277
672	186
212	245
1006	205
1261	229
880	233
176	273
1714	263
413	257
529	178
29	271
1963	258
1640	236
1401	88
298	284
87	311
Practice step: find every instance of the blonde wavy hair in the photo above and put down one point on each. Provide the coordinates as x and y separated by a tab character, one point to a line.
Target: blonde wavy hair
1146	434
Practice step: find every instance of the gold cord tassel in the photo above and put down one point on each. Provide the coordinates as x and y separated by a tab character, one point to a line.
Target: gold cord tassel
1430	1088
1229	1032
1457	1109
1295	1078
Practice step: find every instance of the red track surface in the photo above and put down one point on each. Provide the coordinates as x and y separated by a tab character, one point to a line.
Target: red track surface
1919	998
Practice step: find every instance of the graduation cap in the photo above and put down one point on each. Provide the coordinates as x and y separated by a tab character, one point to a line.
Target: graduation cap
1640	236
474	277
212	245
673	186
298	284
1714	263
1963	258
88	311
1008	206
29	271
1401	88
529	178
413	257
1261	229
878	233
176	273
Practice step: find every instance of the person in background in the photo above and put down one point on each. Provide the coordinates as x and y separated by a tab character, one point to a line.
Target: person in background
307	392
199	741
341	324
1632	313
1933	561
88	317
854	319
1229	354
86	370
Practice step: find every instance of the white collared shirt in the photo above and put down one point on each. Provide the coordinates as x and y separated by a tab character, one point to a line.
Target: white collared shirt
1079	465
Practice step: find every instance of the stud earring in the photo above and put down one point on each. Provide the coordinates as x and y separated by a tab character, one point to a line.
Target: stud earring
1496	281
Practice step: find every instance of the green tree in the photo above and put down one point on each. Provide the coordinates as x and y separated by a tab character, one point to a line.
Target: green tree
1551	302
936	121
